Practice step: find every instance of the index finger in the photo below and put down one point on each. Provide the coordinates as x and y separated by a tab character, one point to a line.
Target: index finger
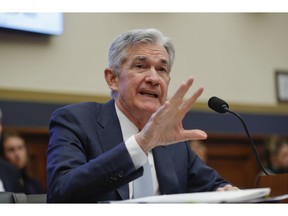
186	105
181	91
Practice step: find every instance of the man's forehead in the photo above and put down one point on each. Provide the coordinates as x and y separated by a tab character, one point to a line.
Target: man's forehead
151	48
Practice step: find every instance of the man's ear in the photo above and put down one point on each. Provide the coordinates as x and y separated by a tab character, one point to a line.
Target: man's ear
111	79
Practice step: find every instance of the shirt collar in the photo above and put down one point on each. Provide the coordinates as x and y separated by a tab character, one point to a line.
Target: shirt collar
127	127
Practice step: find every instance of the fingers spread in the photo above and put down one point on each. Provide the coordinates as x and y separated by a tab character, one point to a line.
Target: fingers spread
182	90
161	113
186	105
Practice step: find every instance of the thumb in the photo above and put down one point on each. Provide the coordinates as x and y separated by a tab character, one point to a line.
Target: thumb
195	134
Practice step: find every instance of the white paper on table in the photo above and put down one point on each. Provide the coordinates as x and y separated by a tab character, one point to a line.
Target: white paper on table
205	197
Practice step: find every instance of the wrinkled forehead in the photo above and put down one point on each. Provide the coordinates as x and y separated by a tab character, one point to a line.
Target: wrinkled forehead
144	51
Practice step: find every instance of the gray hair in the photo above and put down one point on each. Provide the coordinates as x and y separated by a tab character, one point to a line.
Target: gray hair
117	51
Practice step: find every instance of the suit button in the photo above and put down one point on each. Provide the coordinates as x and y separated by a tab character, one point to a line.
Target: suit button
113	178
121	174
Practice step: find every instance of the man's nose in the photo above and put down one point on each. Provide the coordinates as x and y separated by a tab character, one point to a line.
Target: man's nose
153	76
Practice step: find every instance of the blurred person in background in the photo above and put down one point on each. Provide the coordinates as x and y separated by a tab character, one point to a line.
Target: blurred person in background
277	155
200	149
15	151
9	176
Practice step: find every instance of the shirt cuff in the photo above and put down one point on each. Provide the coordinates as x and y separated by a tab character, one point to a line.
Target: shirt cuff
138	156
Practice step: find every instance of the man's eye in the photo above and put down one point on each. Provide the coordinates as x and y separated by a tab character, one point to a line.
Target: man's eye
139	66
162	69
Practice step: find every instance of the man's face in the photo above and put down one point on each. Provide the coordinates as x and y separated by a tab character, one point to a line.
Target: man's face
15	151
143	82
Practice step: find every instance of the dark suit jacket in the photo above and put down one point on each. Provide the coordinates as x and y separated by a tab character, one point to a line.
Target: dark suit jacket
10	177
87	160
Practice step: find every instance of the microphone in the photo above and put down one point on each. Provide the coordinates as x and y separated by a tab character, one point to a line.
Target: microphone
220	106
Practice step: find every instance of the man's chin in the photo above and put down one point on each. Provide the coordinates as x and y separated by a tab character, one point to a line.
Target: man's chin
148	106
150	109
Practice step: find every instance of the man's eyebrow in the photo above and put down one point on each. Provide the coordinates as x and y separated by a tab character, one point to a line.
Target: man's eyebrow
140	58
144	58
164	61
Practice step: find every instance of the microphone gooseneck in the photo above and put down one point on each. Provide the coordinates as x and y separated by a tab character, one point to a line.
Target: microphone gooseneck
221	106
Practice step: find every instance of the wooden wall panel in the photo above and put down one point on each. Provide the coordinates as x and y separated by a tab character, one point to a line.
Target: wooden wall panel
233	158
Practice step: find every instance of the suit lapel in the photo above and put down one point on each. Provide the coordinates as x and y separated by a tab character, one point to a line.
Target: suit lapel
111	135
165	169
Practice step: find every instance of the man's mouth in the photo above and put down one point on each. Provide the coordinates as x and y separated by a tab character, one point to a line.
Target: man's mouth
149	94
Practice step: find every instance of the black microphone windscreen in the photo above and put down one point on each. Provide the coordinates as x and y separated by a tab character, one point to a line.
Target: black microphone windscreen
218	105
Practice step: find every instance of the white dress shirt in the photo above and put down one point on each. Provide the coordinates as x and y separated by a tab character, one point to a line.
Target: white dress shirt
2	189
138	156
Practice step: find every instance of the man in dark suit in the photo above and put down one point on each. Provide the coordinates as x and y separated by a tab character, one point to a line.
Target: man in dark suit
97	151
